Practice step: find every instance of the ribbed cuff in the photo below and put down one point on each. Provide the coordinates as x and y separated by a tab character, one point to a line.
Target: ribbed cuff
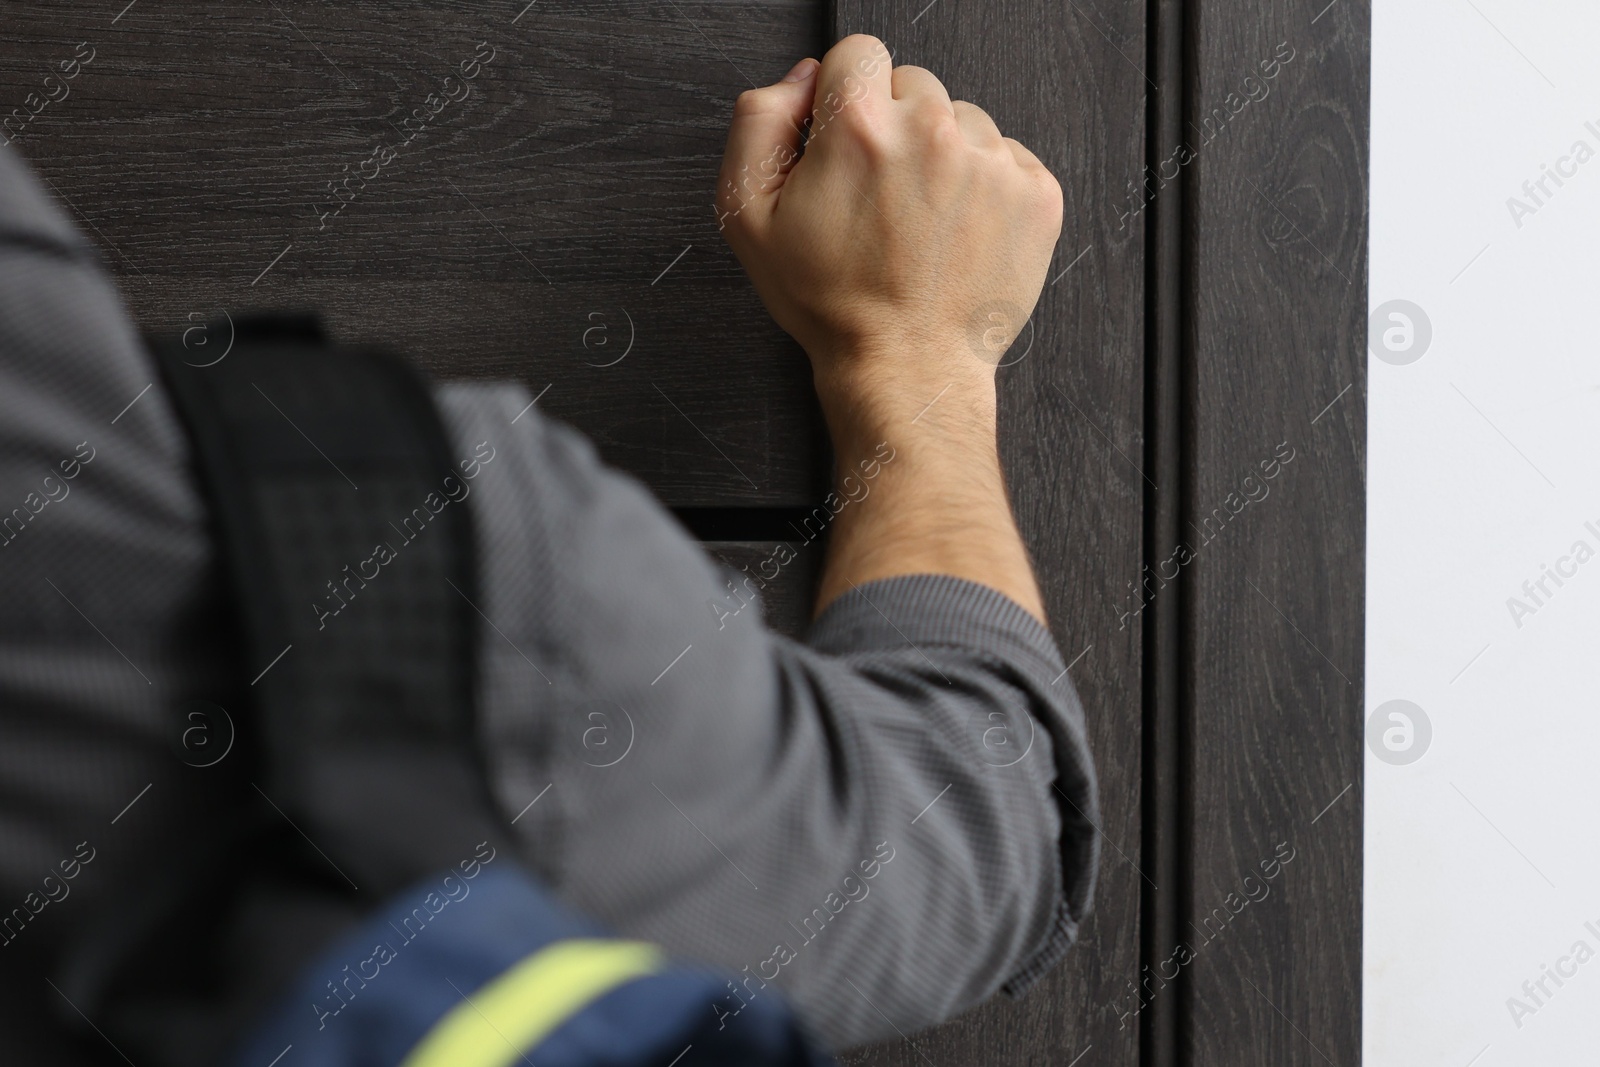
934	609
927	610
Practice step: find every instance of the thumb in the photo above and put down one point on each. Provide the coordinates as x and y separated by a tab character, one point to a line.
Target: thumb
763	144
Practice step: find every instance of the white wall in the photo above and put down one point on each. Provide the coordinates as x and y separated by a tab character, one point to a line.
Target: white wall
1483	855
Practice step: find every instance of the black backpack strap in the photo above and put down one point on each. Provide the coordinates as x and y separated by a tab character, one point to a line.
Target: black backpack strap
345	548
340	515
327	924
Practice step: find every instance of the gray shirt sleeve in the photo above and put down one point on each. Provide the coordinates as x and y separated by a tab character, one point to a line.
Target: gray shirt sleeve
111	618
889	821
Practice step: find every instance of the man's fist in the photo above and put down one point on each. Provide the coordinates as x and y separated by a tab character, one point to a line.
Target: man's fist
909	243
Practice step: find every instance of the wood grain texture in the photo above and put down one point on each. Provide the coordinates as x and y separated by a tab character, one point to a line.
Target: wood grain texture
1277	195
786	600
226	155
555	226
1065	80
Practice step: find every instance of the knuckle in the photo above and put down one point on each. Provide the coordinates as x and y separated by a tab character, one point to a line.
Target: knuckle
861	122
1044	180
1047	193
874	54
912	70
1058	204
934	123
969	108
751	102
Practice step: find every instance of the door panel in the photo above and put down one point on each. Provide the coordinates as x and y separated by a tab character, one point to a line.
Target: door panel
1274	592
785	600
533	221
1059	78
1203	319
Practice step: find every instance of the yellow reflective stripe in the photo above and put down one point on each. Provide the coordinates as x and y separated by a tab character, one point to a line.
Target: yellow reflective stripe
495	1025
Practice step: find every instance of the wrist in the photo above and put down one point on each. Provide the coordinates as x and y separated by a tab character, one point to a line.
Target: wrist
866	400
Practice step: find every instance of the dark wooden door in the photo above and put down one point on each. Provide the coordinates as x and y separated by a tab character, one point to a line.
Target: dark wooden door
549	218
1066	81
1272	368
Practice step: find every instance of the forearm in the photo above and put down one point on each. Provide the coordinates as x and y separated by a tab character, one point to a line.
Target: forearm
909	222
939	505
620	671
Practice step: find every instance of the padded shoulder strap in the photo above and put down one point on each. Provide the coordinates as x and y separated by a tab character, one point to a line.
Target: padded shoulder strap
341	517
